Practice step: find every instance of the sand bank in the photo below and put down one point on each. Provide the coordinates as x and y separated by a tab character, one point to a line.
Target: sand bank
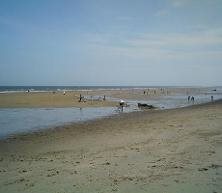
177	150
50	99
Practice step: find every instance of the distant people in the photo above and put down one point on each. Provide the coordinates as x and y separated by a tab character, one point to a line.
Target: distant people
192	99
144	92
163	91
188	98
212	98
104	97
121	104
80	98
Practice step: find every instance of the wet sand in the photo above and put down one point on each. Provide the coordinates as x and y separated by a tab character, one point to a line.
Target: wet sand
71	98
178	150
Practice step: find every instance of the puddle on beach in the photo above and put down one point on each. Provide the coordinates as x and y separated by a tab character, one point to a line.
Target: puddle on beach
18	120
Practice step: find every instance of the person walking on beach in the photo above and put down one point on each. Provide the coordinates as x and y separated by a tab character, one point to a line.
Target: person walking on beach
192	99
80	98
212	98
188	98
121	104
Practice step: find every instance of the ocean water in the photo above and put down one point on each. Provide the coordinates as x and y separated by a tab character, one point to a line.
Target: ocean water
8	89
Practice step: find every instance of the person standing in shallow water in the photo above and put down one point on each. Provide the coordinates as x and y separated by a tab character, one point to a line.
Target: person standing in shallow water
188	98
80	98
212	98
192	99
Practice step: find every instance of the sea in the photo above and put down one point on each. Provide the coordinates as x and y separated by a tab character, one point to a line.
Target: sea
8	89
23	120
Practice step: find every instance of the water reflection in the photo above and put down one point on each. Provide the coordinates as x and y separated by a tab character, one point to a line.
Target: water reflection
16	120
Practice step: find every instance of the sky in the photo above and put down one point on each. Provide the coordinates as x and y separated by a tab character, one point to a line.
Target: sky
111	42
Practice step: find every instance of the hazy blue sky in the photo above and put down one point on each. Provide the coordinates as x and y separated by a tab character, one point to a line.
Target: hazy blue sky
111	42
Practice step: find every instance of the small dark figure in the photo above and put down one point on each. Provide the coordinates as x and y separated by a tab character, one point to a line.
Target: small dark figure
104	97
192	98
188	98
144	92
162	90
80	98
212	98
122	104
144	105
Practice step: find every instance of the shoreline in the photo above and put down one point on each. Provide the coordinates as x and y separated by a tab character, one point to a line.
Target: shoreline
48	129
151	151
94	97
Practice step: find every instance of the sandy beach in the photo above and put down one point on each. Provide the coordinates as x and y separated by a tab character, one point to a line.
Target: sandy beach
178	150
111	96
94	98
50	99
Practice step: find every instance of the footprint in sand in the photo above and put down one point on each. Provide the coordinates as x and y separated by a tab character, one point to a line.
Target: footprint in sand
23	171
107	163
202	169
52	173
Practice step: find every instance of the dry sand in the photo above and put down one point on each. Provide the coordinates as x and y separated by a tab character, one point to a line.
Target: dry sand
166	151
71	98
49	99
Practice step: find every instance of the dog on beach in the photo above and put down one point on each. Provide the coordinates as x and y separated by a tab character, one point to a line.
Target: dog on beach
144	105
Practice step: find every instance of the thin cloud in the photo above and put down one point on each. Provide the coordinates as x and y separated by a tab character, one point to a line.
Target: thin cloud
180	3
161	13
193	48
191	41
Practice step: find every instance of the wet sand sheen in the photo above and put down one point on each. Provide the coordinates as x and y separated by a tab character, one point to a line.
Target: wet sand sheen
177	150
71	98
